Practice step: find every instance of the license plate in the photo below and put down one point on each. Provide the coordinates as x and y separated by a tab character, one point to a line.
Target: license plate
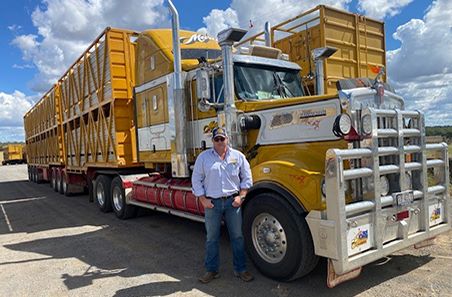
404	198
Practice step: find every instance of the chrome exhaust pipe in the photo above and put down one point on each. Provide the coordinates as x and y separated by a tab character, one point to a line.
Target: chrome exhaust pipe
179	163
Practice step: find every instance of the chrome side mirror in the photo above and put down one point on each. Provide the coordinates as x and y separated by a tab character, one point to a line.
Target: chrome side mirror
202	84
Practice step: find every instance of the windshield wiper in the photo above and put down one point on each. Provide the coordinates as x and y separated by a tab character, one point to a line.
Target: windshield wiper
280	86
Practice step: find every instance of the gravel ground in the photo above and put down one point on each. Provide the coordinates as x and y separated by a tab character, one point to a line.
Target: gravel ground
53	245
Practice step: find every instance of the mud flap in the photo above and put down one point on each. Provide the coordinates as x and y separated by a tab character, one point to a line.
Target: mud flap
334	279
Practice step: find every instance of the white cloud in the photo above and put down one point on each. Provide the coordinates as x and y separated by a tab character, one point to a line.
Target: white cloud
242	12
13	108
14	28
381	9
218	20
421	69
12	134
66	27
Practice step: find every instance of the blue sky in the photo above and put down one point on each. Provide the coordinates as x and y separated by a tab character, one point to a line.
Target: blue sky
35	46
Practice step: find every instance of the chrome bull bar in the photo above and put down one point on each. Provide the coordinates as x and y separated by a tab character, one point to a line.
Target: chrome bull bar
356	230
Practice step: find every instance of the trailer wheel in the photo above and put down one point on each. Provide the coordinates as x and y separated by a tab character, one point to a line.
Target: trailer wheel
120	207
59	181
53	179
65	185
34	174
102	193
278	239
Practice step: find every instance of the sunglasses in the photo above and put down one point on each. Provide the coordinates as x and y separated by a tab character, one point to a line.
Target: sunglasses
218	139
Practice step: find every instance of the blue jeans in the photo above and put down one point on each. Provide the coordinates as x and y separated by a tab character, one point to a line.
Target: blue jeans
233	219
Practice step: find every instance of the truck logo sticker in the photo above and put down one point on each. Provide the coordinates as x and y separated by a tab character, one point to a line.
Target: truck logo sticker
281	120
312	114
196	38
436	214
360	238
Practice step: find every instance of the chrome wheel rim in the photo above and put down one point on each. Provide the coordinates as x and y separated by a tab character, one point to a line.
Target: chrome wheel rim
100	194
269	238
117	198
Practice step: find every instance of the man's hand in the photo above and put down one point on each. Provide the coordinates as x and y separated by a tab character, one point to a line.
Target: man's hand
207	203
237	201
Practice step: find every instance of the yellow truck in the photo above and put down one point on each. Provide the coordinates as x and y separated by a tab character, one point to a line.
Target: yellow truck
339	165
13	154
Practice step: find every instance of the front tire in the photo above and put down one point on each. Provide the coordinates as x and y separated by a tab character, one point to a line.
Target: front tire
120	207
277	238
102	193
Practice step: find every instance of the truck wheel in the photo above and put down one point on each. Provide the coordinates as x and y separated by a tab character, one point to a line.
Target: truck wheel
120	207
59	181
53	179
65	185
102	193
34	174
278	239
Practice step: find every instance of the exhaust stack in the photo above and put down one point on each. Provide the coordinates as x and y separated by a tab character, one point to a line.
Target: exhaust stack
319	55
228	117
267	33
179	164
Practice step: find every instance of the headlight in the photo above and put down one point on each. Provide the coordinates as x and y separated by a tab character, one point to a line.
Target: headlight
366	123
407	181
342	125
345	124
384	185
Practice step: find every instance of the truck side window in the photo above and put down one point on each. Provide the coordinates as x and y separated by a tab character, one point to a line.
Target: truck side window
218	88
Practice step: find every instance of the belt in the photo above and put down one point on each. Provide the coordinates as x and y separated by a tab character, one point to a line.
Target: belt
225	197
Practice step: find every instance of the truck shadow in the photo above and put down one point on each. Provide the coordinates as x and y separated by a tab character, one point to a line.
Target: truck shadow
158	254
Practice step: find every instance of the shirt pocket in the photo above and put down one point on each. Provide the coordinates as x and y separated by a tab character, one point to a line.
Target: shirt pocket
233	169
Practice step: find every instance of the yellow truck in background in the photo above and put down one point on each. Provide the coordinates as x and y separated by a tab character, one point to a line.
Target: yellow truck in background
13	154
339	165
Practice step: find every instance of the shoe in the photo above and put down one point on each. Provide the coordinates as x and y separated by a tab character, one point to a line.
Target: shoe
244	276
208	277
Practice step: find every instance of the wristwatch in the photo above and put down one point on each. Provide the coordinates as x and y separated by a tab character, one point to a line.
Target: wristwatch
242	197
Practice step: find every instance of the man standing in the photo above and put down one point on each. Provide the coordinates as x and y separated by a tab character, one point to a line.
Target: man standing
221	178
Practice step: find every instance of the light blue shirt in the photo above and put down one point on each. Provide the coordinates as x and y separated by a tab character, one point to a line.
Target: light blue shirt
215	178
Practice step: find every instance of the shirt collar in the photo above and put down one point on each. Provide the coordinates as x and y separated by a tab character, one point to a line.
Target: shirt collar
228	151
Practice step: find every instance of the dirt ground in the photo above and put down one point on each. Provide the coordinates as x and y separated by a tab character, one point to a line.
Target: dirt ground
52	245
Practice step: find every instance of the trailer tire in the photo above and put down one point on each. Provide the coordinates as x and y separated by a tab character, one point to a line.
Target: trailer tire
102	193
60	181
65	185
120	207
277	239
34	175
53	179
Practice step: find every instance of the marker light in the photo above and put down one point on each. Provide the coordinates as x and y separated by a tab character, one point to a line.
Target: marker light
366	123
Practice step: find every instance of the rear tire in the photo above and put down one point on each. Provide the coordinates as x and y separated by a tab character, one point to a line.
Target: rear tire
102	193
65	185
277	238
60	181
120	207
53	179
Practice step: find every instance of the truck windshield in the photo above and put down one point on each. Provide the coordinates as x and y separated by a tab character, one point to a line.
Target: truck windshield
258	82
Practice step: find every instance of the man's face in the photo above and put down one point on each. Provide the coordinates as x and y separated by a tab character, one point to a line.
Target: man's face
220	143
